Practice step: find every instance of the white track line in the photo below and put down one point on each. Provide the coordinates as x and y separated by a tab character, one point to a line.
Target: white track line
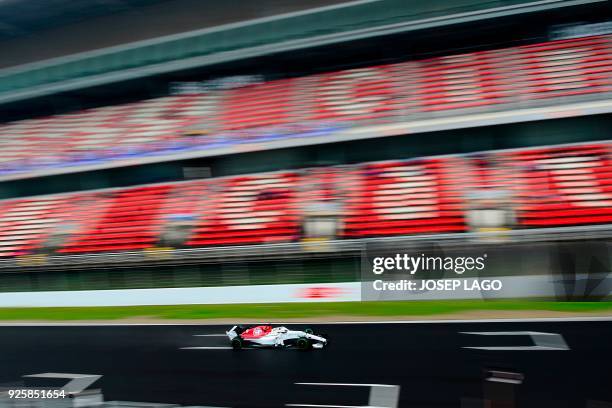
509	333
206	348
517	348
331	406
346	384
541	341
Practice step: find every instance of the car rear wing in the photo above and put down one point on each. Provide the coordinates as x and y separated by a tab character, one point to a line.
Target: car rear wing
231	333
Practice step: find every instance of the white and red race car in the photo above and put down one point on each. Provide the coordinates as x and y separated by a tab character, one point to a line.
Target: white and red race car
274	337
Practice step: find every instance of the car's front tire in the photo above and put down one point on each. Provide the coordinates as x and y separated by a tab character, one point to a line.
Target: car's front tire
236	344
303	344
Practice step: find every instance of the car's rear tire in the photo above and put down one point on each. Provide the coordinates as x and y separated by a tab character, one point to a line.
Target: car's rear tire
302	344
236	344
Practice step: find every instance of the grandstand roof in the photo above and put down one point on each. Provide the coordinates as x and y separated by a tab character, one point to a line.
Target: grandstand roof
283	32
22	17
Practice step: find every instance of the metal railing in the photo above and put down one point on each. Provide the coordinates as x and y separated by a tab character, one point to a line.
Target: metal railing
293	250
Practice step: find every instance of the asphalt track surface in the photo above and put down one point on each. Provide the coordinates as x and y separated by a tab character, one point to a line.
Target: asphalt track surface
428	361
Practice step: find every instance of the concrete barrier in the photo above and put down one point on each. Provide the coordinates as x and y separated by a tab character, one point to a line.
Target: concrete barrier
511	287
325	292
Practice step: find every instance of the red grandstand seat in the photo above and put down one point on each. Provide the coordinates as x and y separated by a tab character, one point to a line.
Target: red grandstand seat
564	68
129	222
250	209
404	197
353	95
461	81
25	223
268	104
562	186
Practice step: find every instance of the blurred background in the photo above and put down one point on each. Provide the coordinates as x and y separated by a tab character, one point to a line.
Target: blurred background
163	144
244	161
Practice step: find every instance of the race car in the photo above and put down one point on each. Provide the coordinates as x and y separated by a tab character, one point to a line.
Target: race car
274	337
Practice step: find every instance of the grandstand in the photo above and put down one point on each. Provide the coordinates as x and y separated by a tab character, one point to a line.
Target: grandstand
210	123
554	186
544	184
